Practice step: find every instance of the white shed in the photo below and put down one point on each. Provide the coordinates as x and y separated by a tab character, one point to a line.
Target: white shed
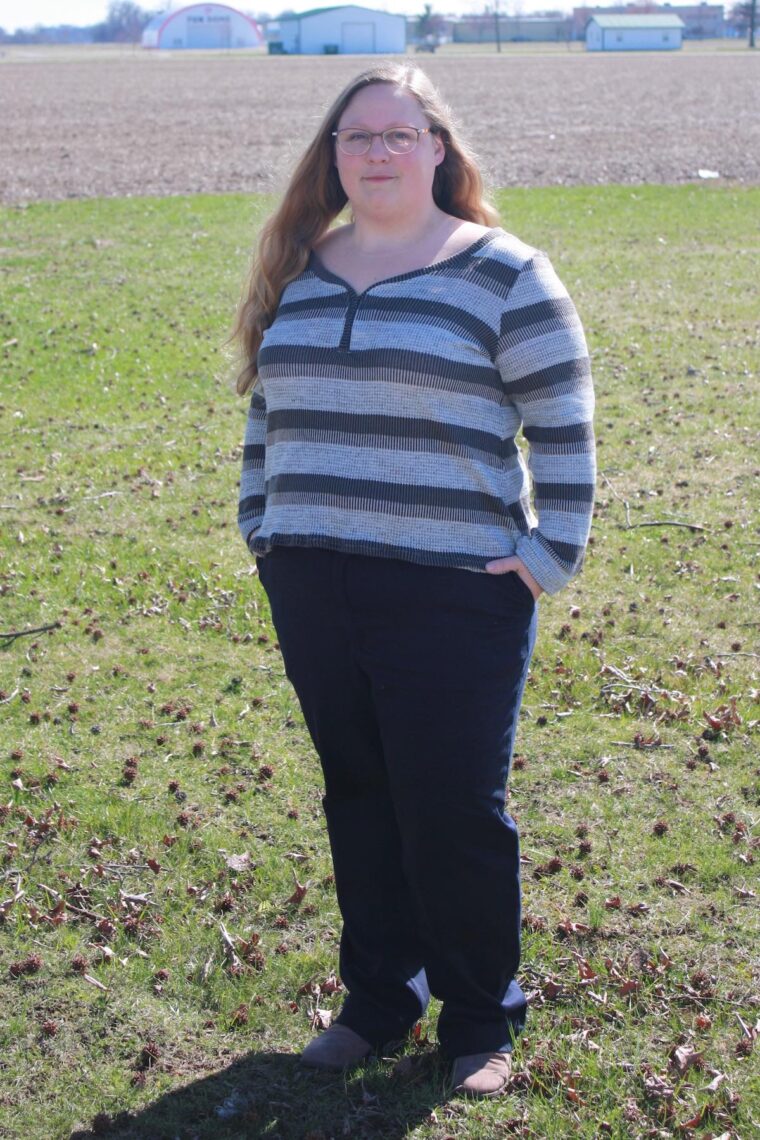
346	30
202	26
634	33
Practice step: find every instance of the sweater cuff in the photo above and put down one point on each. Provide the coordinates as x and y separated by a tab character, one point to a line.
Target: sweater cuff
252	534
546	570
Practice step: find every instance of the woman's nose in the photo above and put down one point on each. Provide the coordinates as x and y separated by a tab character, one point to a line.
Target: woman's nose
377	148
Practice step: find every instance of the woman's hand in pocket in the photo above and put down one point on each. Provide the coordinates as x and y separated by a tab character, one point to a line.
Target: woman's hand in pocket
504	565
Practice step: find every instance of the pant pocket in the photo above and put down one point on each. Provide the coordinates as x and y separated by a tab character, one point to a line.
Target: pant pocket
520	587
260	561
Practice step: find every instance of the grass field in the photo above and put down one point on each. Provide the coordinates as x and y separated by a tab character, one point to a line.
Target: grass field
168	925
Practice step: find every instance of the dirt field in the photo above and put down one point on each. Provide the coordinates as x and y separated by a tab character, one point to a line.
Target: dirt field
79	124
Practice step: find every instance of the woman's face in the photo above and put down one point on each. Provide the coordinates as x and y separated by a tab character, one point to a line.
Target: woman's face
379	183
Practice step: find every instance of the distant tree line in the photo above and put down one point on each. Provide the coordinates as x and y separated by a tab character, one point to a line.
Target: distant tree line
123	25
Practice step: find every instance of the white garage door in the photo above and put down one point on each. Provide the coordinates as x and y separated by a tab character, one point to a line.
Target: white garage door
214	33
356	37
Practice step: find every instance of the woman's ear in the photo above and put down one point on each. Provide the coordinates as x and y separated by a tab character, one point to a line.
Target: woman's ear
439	149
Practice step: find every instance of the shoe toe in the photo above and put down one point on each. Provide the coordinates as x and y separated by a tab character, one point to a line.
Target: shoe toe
482	1074
336	1049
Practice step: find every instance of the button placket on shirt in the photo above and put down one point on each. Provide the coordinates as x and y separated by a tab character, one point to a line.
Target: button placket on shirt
354	301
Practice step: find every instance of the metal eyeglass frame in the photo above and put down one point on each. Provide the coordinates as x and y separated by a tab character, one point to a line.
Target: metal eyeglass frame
380	135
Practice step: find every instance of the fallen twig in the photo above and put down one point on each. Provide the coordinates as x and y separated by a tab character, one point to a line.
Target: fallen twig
642	745
14	633
6	906
609	686
619	499
94	982
229	947
745	1028
666	522
70	906
140	900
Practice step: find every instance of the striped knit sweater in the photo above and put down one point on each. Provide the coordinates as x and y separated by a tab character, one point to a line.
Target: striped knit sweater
385	422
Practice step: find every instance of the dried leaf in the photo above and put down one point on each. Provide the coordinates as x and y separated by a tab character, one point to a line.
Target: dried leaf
321	1019
566	927
698	1120
585	969
298	893
683	1057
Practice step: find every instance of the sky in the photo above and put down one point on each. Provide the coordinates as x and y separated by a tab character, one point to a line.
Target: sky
26	13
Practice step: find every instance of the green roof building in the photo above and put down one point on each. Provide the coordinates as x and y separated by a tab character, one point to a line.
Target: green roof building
634	33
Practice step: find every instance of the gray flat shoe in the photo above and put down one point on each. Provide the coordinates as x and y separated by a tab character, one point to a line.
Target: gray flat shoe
336	1049
481	1074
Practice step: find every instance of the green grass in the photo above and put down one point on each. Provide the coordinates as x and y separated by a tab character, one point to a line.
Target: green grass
121	443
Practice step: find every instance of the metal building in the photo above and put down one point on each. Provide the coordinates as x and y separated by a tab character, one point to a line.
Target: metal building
345	30
634	33
202	26
701	21
512	29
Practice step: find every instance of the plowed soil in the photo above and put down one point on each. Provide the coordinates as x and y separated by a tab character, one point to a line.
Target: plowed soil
79	124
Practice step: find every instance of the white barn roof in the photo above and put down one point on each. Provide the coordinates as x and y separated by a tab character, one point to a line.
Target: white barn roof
333	8
618	23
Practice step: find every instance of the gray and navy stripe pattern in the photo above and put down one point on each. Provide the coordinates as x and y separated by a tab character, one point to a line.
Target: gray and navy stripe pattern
385	422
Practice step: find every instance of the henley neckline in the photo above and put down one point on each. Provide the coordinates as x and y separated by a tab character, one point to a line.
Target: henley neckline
320	269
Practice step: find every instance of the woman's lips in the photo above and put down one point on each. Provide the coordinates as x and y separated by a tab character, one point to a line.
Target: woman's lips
378	178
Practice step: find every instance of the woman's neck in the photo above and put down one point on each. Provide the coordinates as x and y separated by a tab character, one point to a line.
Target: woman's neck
377	237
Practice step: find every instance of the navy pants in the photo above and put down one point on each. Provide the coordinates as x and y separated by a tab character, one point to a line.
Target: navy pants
410	679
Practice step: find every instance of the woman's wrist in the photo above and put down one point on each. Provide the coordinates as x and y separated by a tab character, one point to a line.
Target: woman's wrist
513	563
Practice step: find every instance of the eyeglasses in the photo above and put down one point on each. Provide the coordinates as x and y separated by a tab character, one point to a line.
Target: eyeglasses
397	140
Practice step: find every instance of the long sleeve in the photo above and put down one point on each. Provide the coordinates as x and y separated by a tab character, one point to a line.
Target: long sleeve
251	504
543	361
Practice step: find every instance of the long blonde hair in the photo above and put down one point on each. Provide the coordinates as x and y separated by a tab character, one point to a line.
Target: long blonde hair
315	197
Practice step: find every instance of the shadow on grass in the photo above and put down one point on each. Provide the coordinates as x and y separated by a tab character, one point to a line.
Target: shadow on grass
270	1095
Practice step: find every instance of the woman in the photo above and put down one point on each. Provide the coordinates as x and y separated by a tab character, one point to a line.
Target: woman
393	360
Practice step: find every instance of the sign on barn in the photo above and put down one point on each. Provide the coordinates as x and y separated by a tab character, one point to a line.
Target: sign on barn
202	26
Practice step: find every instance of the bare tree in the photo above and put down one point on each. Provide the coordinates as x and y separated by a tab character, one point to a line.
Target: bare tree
124	23
430	27
744	17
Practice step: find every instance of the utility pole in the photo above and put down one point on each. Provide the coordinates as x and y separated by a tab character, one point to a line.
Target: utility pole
752	14
496	24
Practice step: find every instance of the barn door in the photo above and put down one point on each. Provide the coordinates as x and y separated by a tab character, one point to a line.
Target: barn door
357	37
215	33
